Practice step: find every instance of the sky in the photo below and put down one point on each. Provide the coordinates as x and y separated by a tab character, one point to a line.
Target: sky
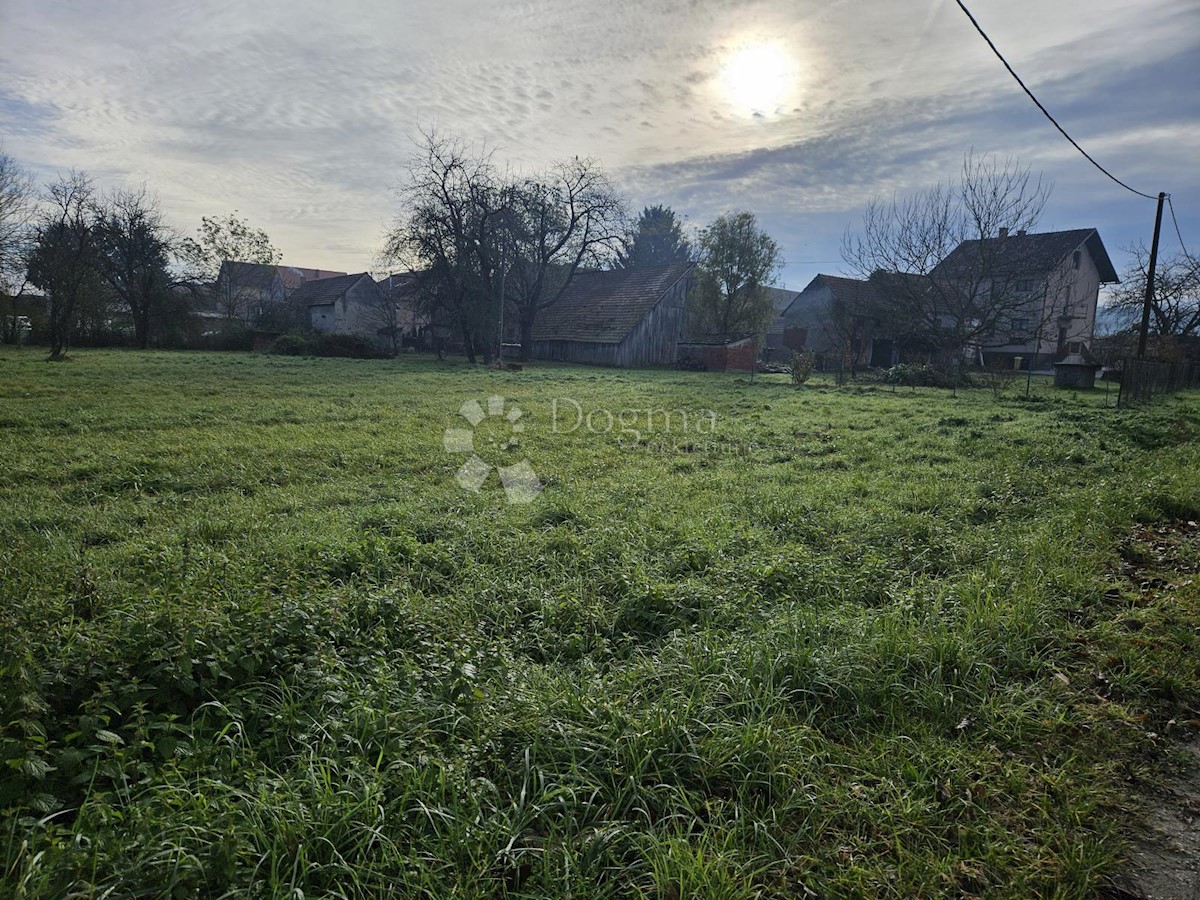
302	115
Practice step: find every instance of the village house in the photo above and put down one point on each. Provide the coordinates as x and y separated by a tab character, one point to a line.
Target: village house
777	344
257	292
622	317
1059	273
349	304
1041	292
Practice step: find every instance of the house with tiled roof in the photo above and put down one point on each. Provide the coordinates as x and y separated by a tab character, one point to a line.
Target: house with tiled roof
1057	277
349	304
1033	298
837	316
256	292
621	317
775	345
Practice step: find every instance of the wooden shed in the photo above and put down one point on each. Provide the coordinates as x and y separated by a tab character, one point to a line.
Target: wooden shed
623	317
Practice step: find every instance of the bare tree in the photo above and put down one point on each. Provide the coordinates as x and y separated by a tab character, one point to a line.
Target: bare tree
231	240
737	259
18	202
1176	306
947	281
453	205
63	260
564	219
134	251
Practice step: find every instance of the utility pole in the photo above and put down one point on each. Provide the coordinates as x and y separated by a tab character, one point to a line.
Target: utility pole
1145	329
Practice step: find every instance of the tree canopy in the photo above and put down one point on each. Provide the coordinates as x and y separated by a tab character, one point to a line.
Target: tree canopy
657	239
737	260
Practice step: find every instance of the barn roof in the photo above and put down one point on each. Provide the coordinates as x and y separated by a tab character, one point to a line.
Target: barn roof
1032	254
604	307
326	290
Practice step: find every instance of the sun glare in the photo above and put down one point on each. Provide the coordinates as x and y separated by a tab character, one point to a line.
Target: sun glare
759	78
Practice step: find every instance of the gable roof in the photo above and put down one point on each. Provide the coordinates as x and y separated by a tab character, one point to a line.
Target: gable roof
781	298
1032	254
294	276
260	276
327	290
253	276
850	292
603	307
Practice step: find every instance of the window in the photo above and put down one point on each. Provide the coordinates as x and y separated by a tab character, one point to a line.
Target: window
1024	285
1075	258
1019	325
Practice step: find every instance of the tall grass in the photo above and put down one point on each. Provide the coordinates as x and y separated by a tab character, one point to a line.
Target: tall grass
255	639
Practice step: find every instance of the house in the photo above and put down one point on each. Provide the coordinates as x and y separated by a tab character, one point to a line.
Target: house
622	317
348	304
1031	299
405	322
1055	280
777	343
842	321
256	292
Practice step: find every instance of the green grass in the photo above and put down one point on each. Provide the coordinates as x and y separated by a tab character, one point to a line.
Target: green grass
254	638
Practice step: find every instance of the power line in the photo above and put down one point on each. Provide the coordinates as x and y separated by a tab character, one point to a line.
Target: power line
1038	103
1178	233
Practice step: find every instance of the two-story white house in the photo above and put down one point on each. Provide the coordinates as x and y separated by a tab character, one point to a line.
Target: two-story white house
1044	289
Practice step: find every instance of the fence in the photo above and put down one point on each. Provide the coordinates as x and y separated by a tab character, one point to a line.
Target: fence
1143	379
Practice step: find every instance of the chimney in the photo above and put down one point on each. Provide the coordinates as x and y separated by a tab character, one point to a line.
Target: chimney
1003	233
1022	233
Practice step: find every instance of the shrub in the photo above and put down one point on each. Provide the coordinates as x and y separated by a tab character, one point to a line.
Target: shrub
352	346
229	336
802	366
293	345
914	375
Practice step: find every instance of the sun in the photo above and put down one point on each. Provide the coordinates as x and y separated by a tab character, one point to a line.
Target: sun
759	78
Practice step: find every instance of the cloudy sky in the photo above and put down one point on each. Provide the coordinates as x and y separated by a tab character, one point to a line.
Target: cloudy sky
301	114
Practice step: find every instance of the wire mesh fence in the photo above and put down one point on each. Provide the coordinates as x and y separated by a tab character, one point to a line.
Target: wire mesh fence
1143	379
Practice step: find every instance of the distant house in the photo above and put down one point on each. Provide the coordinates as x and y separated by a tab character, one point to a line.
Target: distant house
403	320
622	317
256	292
349	304
1049	286
842	319
777	344
1059	271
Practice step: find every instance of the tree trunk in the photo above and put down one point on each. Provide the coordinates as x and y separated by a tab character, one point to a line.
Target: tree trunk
141	328
468	342
526	337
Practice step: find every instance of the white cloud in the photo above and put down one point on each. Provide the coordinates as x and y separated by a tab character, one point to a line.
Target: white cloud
299	114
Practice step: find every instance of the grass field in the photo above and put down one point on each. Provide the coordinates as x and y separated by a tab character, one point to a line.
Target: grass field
256	639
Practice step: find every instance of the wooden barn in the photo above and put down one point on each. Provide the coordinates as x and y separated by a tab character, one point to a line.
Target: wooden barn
623	317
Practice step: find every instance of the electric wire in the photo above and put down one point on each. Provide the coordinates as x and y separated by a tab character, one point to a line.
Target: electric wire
1038	103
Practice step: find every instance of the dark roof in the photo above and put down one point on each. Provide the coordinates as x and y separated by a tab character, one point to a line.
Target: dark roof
852	293
249	275
781	298
1032	254
604	307
326	290
261	275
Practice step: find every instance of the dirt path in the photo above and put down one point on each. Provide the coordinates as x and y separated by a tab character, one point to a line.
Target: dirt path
1164	856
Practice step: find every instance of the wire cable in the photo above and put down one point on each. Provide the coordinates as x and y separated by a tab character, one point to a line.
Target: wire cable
1178	233
1038	103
